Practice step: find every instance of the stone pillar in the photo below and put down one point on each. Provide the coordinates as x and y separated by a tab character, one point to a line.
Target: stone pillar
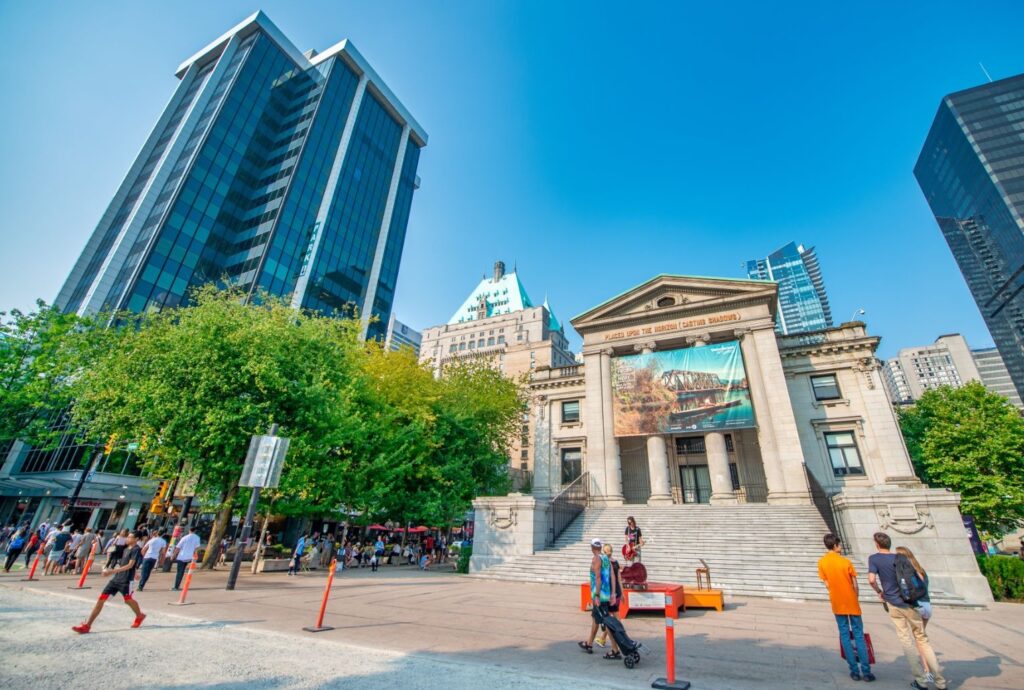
657	456
612	461
718	466
787	439
657	465
773	477
593	413
545	480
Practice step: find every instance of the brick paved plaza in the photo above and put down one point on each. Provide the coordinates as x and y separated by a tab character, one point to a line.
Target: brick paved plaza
444	630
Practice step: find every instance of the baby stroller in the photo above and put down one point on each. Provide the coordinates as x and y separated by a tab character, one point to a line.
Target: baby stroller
631	650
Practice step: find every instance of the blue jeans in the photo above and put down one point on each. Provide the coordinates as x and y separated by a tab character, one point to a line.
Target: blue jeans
846	623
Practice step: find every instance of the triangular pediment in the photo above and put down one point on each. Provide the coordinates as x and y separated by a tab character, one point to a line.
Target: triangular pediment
674	295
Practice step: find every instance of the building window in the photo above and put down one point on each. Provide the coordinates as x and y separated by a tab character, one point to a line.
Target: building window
666	302
690	445
524	454
842	451
472	344
480	343
572	465
570	411
825	387
462	346
453	348
501	340
729	448
490	341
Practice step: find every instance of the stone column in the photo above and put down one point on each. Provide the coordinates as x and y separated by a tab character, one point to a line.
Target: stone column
612	461
718	466
773	477
657	457
544	463
788	452
593	413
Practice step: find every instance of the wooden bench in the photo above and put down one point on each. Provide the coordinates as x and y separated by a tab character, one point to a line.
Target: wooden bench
703	599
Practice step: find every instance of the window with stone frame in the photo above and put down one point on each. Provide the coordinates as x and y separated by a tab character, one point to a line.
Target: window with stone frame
826	387
843	453
570	411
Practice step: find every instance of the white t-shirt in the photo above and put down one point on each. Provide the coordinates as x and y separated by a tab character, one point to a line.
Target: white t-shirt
153	547
187	547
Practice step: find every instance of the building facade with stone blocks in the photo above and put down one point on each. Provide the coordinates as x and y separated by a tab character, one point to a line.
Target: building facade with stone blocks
499	324
688	395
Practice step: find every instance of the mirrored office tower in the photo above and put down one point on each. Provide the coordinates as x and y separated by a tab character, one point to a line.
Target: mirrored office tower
971	170
280	171
803	302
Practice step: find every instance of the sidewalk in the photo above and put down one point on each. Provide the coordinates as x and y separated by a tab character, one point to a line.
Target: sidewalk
530	630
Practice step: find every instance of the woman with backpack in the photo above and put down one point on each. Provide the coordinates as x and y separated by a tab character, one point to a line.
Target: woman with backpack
924	604
14	547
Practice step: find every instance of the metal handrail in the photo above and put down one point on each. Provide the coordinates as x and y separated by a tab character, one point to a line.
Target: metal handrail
567	505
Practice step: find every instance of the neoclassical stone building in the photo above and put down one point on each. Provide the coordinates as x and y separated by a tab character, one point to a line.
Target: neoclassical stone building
687	395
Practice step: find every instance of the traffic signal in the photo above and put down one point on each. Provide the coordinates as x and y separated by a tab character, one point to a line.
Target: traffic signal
109	448
157	504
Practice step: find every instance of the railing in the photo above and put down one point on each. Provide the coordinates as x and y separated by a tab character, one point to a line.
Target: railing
752	493
567	505
823	502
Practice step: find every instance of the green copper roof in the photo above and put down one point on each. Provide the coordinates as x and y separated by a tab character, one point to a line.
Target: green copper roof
500	296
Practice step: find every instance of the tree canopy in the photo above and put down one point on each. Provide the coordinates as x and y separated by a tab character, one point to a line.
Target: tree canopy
971	441
371	431
41	353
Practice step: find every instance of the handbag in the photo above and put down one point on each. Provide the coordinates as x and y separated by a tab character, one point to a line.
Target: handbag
867	643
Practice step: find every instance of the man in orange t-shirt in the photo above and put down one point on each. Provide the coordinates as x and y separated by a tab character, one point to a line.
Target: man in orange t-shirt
839	575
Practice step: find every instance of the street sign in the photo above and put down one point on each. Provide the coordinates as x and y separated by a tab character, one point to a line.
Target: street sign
132	447
264	462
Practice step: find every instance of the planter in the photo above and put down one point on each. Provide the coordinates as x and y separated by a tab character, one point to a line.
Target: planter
273	565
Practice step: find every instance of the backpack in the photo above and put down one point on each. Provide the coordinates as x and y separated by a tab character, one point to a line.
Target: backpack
18	542
911	588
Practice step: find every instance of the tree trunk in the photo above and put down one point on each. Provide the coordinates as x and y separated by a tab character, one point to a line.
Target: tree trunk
220	527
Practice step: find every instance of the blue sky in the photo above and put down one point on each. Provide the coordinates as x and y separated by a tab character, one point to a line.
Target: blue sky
591	144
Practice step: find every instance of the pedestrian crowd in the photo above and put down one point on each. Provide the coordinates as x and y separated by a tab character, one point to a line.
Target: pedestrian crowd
370	551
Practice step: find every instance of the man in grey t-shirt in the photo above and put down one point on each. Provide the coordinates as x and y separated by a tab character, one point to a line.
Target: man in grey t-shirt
909	626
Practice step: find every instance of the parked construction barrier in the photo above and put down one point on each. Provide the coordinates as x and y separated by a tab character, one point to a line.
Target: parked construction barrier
320	627
85	570
188	581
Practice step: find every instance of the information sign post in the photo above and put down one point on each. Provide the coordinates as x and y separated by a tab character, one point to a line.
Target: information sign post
262	470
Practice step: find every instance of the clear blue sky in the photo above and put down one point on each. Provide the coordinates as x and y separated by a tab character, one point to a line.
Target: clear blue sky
592	144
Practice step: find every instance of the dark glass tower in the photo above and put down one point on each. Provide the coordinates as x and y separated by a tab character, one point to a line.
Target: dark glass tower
971	170
276	170
803	302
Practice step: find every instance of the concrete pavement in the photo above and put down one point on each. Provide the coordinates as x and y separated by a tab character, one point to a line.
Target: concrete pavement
526	633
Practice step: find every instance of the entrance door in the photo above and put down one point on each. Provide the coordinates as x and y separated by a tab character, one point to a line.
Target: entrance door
696	482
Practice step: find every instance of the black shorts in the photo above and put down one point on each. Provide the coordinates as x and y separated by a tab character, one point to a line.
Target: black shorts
124	589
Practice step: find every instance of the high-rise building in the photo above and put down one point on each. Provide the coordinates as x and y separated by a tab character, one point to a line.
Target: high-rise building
399	336
803	302
274	169
946	362
277	170
971	170
994	375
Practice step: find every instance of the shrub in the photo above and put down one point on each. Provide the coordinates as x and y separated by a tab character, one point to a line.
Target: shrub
464	555
1005	576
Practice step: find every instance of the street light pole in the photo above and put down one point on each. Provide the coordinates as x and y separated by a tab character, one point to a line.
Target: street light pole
246	528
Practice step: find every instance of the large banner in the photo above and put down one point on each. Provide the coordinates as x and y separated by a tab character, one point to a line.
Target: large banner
690	389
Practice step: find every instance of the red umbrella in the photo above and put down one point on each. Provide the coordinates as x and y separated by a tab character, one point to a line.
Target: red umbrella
417	530
377	527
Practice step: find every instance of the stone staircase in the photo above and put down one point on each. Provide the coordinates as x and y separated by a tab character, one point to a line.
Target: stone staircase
755	550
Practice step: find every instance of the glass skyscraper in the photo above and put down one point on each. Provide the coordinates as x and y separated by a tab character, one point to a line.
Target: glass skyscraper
276	170
803	303
971	170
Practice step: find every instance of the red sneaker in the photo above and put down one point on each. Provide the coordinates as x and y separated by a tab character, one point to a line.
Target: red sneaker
81	628
138	620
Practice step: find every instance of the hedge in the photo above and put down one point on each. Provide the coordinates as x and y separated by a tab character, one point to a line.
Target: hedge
1005	576
464	555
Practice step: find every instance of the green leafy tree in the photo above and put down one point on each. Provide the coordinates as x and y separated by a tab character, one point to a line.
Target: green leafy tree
41	352
971	441
193	384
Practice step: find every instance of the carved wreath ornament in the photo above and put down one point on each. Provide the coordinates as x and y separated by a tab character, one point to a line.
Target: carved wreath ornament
503	520
905	519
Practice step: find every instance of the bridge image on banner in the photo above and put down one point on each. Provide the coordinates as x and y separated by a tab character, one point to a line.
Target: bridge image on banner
688	389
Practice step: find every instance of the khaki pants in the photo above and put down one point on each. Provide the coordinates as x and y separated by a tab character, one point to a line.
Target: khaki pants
910	630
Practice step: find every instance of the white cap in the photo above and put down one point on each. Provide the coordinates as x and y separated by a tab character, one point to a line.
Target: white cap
595	543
